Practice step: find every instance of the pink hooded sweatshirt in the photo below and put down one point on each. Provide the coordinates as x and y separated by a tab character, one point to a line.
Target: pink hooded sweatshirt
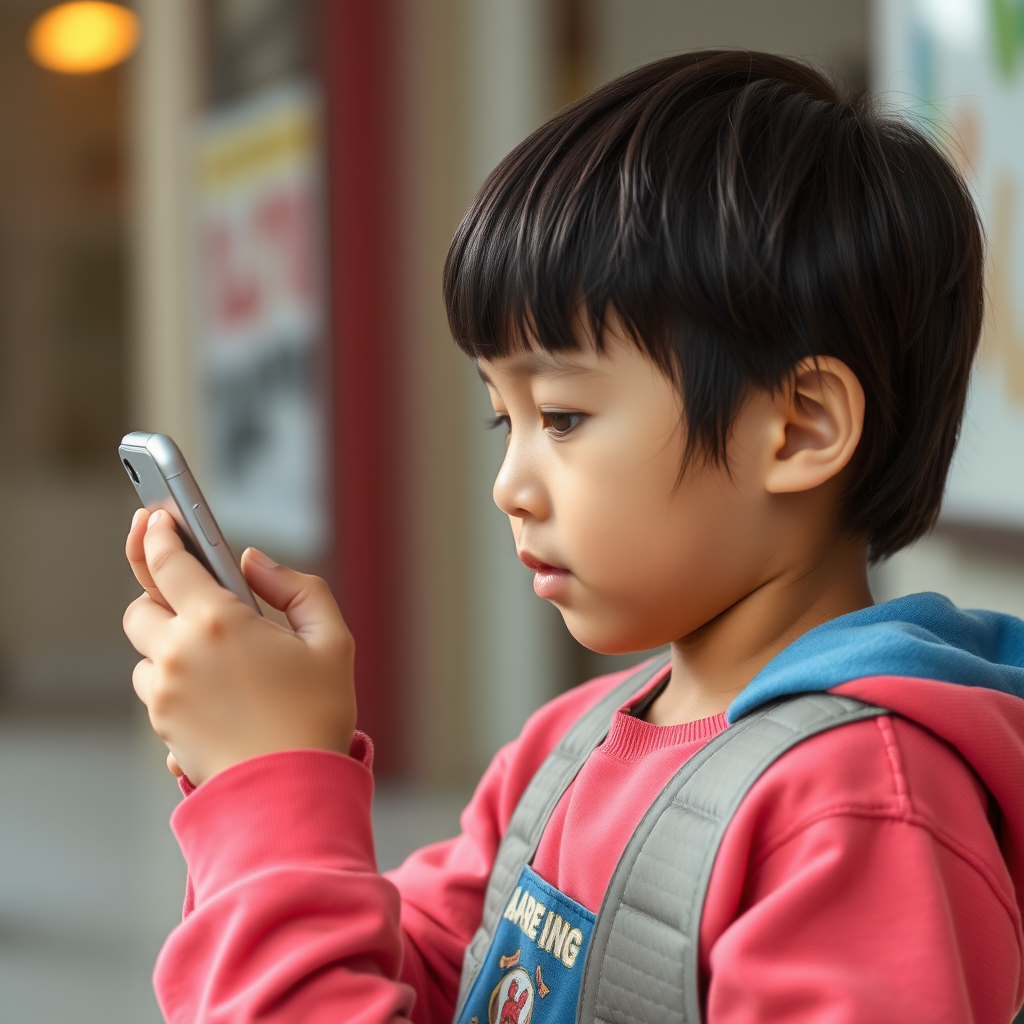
874	873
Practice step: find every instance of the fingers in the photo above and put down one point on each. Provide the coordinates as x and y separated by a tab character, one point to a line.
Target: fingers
142	680
180	578
136	554
145	623
306	600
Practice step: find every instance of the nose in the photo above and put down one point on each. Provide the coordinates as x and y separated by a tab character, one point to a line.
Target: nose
519	490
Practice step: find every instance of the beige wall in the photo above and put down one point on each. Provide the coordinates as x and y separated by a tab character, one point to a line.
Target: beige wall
438	661
486	651
165	86
64	501
95	315
829	32
971	574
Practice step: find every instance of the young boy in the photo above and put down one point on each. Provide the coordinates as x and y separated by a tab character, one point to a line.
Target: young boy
727	318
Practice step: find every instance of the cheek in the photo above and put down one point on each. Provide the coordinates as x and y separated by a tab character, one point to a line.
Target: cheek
623	518
619	480
654	558
654	545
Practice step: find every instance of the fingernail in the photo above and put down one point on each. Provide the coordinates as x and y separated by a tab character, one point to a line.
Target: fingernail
154	518
139	513
261	559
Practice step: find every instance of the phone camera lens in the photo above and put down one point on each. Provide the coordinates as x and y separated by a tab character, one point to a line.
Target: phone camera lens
131	471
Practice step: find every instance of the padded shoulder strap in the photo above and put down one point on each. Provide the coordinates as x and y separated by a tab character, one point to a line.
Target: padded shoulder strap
642	961
535	806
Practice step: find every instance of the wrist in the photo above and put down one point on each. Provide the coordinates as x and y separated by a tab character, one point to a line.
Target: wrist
278	808
212	755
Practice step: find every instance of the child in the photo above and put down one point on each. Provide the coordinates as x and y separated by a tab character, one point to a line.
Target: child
727	318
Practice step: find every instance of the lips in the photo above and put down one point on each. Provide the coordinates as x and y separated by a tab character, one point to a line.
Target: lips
549	581
537	565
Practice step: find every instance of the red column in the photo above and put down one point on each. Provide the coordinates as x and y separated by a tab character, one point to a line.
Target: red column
360	71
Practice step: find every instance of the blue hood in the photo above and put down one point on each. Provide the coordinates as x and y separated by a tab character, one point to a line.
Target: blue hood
924	636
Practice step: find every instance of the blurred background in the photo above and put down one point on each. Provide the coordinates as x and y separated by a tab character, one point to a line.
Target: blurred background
226	220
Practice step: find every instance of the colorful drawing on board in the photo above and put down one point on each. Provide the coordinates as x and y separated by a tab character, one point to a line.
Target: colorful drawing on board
958	66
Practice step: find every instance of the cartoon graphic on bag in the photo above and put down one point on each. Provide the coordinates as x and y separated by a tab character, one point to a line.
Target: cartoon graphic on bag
533	969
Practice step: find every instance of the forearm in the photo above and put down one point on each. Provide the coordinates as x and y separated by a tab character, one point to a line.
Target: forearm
291	945
291	920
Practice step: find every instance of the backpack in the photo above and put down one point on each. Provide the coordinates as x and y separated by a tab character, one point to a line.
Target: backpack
641	961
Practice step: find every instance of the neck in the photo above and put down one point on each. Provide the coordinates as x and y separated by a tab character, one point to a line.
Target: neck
711	665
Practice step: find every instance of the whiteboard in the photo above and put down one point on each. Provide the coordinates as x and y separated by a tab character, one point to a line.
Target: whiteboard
958	66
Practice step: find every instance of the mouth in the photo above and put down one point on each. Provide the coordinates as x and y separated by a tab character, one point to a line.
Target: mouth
549	581
533	562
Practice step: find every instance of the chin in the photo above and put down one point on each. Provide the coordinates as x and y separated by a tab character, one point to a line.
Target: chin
608	637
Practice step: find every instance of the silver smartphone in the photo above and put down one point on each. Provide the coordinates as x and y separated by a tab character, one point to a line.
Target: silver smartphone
163	480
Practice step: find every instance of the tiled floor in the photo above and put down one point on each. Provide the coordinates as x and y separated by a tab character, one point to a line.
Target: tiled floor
91	878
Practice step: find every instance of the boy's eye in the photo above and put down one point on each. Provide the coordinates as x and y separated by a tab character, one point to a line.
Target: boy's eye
561	423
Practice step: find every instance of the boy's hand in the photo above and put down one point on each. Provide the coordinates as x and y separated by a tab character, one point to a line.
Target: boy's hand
222	684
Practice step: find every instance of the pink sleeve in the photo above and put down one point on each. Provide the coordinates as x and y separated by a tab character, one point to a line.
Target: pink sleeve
862	881
287	918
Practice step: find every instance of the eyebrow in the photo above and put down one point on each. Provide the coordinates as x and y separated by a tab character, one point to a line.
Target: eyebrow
545	369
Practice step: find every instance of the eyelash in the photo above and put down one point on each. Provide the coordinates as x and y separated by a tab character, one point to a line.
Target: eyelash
546	417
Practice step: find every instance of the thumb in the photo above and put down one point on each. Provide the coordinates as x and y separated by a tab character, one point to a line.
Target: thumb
306	600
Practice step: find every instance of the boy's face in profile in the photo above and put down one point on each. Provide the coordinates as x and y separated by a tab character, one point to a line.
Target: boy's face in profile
630	554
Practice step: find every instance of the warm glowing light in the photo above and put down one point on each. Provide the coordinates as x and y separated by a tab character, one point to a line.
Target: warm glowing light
83	36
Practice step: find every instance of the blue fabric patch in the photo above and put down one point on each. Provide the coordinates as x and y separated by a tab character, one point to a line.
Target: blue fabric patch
924	636
535	964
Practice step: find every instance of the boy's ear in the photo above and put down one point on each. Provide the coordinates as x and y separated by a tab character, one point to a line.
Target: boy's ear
819	420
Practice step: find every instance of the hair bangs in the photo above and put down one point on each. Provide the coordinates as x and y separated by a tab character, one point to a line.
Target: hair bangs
537	261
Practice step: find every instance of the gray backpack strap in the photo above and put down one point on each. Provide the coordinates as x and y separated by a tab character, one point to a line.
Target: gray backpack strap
535	807
642	961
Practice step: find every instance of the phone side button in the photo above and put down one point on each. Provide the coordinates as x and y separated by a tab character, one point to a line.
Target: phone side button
209	530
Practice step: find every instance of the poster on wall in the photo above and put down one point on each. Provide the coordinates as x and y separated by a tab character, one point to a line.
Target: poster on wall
262	353
958	66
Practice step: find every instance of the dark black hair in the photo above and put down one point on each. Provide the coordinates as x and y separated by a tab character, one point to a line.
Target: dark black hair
738	213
